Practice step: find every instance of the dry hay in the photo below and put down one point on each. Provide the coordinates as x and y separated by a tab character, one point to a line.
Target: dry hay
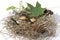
45	26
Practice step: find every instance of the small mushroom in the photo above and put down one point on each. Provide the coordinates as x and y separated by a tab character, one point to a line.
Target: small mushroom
49	12
33	19
23	18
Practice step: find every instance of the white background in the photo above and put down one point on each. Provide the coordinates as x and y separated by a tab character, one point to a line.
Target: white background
53	5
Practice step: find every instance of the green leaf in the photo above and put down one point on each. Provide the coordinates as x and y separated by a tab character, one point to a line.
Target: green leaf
30	6
35	11
11	7
38	5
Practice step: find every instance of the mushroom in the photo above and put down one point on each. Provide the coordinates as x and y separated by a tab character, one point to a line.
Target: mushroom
33	19
23	18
